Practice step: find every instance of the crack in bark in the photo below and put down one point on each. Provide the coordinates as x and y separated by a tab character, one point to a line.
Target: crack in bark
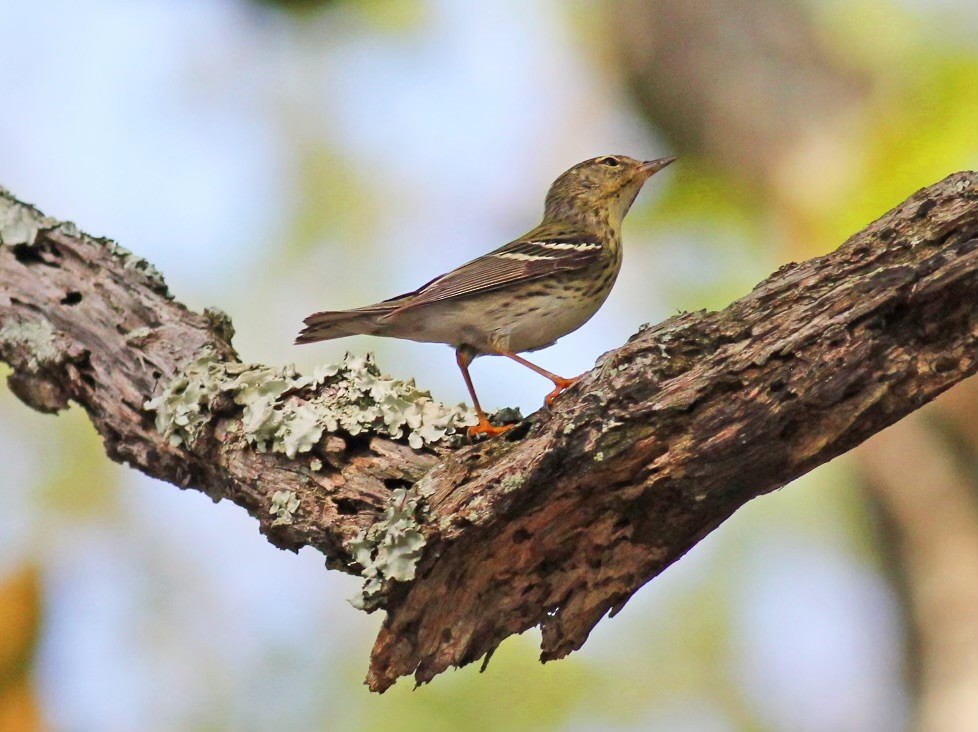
561	520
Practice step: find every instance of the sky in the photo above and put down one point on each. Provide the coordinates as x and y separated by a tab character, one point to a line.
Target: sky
180	129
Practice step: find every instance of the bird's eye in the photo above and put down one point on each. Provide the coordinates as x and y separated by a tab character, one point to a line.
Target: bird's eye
610	162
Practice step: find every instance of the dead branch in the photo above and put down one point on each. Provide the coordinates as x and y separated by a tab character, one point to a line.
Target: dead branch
562	519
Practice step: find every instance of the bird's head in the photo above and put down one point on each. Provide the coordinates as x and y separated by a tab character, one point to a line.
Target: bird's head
600	190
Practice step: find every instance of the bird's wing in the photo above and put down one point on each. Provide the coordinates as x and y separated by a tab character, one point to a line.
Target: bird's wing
523	260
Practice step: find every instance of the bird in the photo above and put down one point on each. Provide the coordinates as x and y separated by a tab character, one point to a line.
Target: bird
524	295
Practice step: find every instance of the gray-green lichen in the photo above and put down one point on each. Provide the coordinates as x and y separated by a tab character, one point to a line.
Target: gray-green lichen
285	412
137	263
512	482
425	485
19	222
283	508
36	338
390	549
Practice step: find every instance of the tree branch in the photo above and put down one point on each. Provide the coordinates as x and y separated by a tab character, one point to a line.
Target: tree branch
563	518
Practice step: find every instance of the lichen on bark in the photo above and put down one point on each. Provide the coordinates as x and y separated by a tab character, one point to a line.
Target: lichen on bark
556	523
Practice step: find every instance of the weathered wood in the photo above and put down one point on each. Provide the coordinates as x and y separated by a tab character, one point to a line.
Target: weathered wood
562	519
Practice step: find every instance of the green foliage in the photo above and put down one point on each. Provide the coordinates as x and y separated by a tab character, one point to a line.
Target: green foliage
515	693
699	192
332	200
923	128
379	14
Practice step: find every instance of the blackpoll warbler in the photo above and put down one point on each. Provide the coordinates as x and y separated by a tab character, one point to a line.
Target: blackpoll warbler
524	295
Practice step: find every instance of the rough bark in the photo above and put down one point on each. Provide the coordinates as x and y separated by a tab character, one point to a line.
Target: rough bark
563	518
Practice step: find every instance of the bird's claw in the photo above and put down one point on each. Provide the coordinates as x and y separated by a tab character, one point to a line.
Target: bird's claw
560	385
487	428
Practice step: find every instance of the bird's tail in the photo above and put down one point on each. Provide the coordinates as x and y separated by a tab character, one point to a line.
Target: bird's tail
331	324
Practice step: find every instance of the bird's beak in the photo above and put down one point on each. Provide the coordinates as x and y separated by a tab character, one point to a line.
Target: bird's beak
650	167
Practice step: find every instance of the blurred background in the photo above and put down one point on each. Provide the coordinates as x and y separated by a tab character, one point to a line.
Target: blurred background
274	158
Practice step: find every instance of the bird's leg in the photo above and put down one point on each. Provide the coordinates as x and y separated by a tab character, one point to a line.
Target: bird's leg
560	383
464	357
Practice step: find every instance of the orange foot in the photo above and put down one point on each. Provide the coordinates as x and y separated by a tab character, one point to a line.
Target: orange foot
485	427
559	386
